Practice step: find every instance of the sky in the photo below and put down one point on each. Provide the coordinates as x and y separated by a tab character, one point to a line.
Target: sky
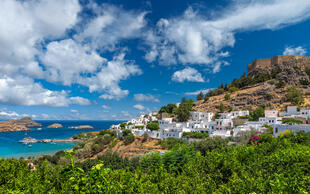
113	59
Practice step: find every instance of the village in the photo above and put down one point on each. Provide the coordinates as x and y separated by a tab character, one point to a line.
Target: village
228	125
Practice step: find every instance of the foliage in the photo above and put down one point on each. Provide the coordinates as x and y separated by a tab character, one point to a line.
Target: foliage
123	125
128	139
183	111
227	96
152	126
269	96
171	142
269	129
280	84
233	89
258	112
222	107
195	135
295	95
291	120
275	165
199	96
169	108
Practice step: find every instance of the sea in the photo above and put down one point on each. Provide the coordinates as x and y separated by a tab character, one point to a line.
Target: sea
10	147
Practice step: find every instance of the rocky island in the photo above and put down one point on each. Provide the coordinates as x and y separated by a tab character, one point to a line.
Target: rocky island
55	125
81	127
18	125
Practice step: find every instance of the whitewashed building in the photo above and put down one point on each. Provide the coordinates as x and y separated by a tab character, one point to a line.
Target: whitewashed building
280	128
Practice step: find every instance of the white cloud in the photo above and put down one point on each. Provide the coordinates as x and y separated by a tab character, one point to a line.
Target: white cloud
139	107
204	91
145	98
10	114
294	50
105	107
111	25
195	39
66	61
79	101
23	91
187	74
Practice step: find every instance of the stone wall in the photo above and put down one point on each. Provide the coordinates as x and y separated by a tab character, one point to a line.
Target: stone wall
278	61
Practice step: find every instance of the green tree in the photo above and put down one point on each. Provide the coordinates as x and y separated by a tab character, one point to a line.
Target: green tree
199	96
258	112
152	126
222	107
183	113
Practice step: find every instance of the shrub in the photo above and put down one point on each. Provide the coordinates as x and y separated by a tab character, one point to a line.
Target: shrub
269	96
280	84
195	135
152	126
259	112
290	120
295	96
233	89
129	139
227	96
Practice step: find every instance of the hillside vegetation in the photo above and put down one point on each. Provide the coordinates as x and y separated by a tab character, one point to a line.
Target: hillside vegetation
264	165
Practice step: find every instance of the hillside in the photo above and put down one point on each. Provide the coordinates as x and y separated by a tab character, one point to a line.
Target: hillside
267	83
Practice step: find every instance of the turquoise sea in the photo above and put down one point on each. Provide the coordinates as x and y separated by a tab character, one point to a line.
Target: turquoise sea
10	147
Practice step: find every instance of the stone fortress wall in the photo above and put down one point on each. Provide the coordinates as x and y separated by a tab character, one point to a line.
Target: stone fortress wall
268	64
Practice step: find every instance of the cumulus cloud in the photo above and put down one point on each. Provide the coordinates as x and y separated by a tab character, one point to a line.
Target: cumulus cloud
139	107
294	50
145	98
9	114
79	101
23	91
187	74
74	111
193	38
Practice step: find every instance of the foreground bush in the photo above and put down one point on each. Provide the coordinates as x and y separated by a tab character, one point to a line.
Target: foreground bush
275	165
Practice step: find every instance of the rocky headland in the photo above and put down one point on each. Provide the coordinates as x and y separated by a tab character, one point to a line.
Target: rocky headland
18	125
55	126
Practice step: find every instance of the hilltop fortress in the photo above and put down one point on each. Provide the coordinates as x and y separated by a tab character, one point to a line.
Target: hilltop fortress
285	61
288	68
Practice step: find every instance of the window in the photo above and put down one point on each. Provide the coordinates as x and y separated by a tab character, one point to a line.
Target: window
276	130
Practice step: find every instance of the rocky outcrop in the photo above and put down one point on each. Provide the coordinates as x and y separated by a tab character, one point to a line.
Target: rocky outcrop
81	127
18	125
55	125
7	127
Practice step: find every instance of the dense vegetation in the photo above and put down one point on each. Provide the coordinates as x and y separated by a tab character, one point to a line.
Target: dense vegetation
264	165
195	135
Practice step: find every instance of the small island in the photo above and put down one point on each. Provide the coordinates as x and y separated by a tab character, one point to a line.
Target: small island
81	127
55	126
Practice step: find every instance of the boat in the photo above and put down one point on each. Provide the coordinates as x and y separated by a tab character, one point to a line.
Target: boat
28	140
29	146
39	128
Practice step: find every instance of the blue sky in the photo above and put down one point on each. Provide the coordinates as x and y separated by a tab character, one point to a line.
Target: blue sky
70	59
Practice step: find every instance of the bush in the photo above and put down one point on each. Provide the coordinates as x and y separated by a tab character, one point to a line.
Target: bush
269	96
280	84
171	142
259	112
152	126
227	96
290	120
233	89
195	135
129	139
295	95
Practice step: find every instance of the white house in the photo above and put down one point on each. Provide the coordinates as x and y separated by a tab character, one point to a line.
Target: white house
201	116
290	111
271	113
280	128
305	113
